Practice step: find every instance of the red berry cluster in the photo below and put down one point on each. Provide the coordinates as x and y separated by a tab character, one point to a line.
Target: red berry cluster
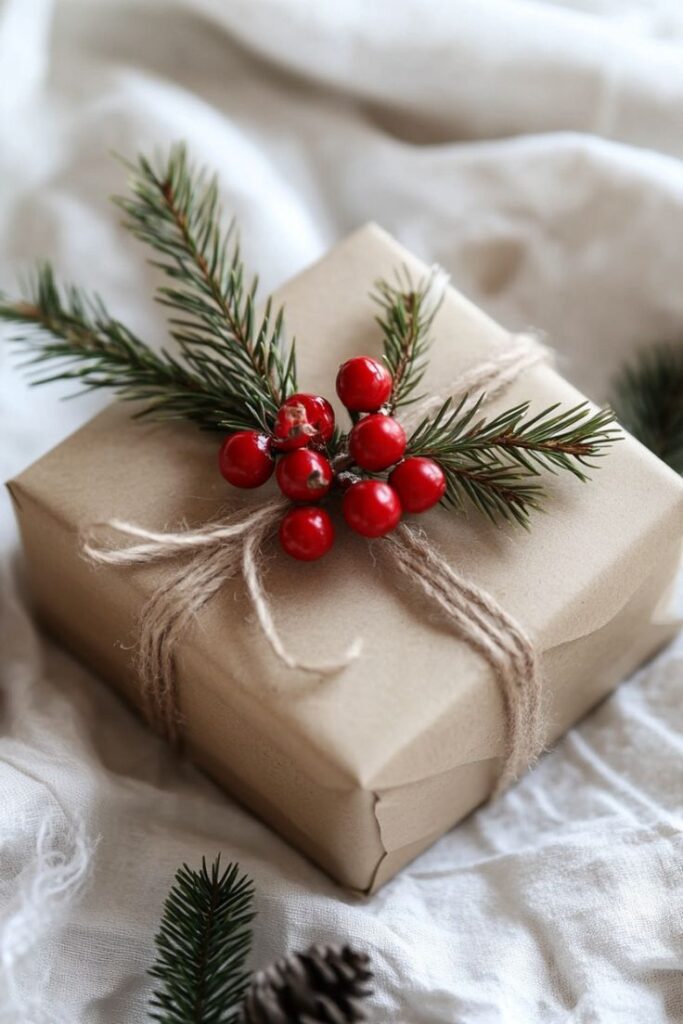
296	450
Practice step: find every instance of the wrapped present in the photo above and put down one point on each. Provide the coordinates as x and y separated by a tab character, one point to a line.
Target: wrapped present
365	768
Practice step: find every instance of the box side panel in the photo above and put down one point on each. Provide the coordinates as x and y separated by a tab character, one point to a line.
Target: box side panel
583	671
336	827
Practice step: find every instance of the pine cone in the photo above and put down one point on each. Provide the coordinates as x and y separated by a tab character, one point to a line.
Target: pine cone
324	985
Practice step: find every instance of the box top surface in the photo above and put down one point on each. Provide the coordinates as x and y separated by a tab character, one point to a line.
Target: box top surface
379	721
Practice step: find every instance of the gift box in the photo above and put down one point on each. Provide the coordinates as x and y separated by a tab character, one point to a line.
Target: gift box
363	770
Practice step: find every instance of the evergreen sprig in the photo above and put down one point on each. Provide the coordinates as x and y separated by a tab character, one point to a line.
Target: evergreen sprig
233	370
648	399
74	334
175	210
202	946
406	317
495	463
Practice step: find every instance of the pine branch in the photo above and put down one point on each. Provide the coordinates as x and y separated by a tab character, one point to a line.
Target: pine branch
407	315
232	373
648	400
495	463
499	491
175	210
74	335
566	441
202	946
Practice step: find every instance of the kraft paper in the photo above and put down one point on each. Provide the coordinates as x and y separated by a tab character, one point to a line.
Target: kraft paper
365	770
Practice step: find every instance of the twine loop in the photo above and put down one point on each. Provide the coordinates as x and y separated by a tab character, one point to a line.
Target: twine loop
220	551
232	545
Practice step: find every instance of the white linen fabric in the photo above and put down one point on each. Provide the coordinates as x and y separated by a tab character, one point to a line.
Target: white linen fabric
534	149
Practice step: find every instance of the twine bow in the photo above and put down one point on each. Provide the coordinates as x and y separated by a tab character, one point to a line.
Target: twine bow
232	544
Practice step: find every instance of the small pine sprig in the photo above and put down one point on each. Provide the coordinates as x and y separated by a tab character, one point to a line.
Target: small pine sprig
74	335
647	396
175	210
495	463
324	985
499	491
232	371
202	946
406	317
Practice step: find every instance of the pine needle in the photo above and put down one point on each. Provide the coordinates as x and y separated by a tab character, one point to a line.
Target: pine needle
648	400
175	210
72	333
202	946
407	314
232	371
495	464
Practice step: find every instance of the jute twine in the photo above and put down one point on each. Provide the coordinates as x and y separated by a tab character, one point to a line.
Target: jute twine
232	545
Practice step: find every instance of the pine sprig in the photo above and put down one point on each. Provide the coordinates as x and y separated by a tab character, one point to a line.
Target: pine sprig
72	333
648	399
499	491
406	317
568	440
202	946
495	463
175	210
232	371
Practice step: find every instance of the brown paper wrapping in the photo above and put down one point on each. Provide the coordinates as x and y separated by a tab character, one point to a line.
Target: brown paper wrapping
365	770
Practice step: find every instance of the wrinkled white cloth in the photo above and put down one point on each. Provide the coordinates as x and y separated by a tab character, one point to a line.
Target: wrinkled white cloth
534	149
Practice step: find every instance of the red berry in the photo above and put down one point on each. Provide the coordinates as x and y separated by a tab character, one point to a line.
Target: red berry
245	459
371	507
364	384
304	475
319	412
307	533
301	420
377	442
419	482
